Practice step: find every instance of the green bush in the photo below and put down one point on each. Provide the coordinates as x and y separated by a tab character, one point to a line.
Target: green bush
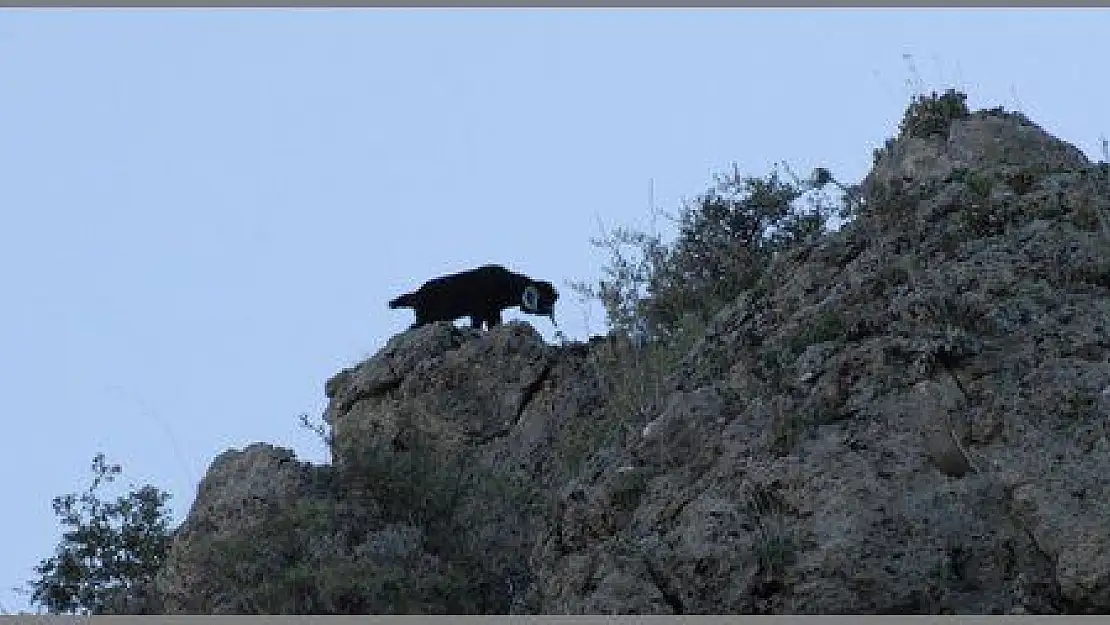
109	553
390	532
666	293
933	114
662	296
330	556
826	326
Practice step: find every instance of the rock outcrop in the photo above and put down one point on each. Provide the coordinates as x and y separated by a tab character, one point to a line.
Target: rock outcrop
909	415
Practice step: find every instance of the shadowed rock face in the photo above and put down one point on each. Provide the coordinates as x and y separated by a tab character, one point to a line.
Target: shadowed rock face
908	416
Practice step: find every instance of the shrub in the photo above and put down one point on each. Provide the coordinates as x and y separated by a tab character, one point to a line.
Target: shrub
331	556
110	553
391	531
933	114
666	293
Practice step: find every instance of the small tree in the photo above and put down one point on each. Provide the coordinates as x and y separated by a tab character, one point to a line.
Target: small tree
932	115
109	553
726	239
662	295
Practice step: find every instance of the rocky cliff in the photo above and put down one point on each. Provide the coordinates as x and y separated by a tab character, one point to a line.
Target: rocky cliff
909	415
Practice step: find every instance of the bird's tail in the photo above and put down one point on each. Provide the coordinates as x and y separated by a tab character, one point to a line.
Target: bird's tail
403	301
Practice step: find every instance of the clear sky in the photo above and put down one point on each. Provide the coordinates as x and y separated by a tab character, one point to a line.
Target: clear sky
204	213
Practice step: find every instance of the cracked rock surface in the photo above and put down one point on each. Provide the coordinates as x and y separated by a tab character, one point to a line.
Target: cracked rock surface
910	415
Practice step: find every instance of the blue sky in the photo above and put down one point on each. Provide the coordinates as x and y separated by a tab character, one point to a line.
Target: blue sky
205	212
